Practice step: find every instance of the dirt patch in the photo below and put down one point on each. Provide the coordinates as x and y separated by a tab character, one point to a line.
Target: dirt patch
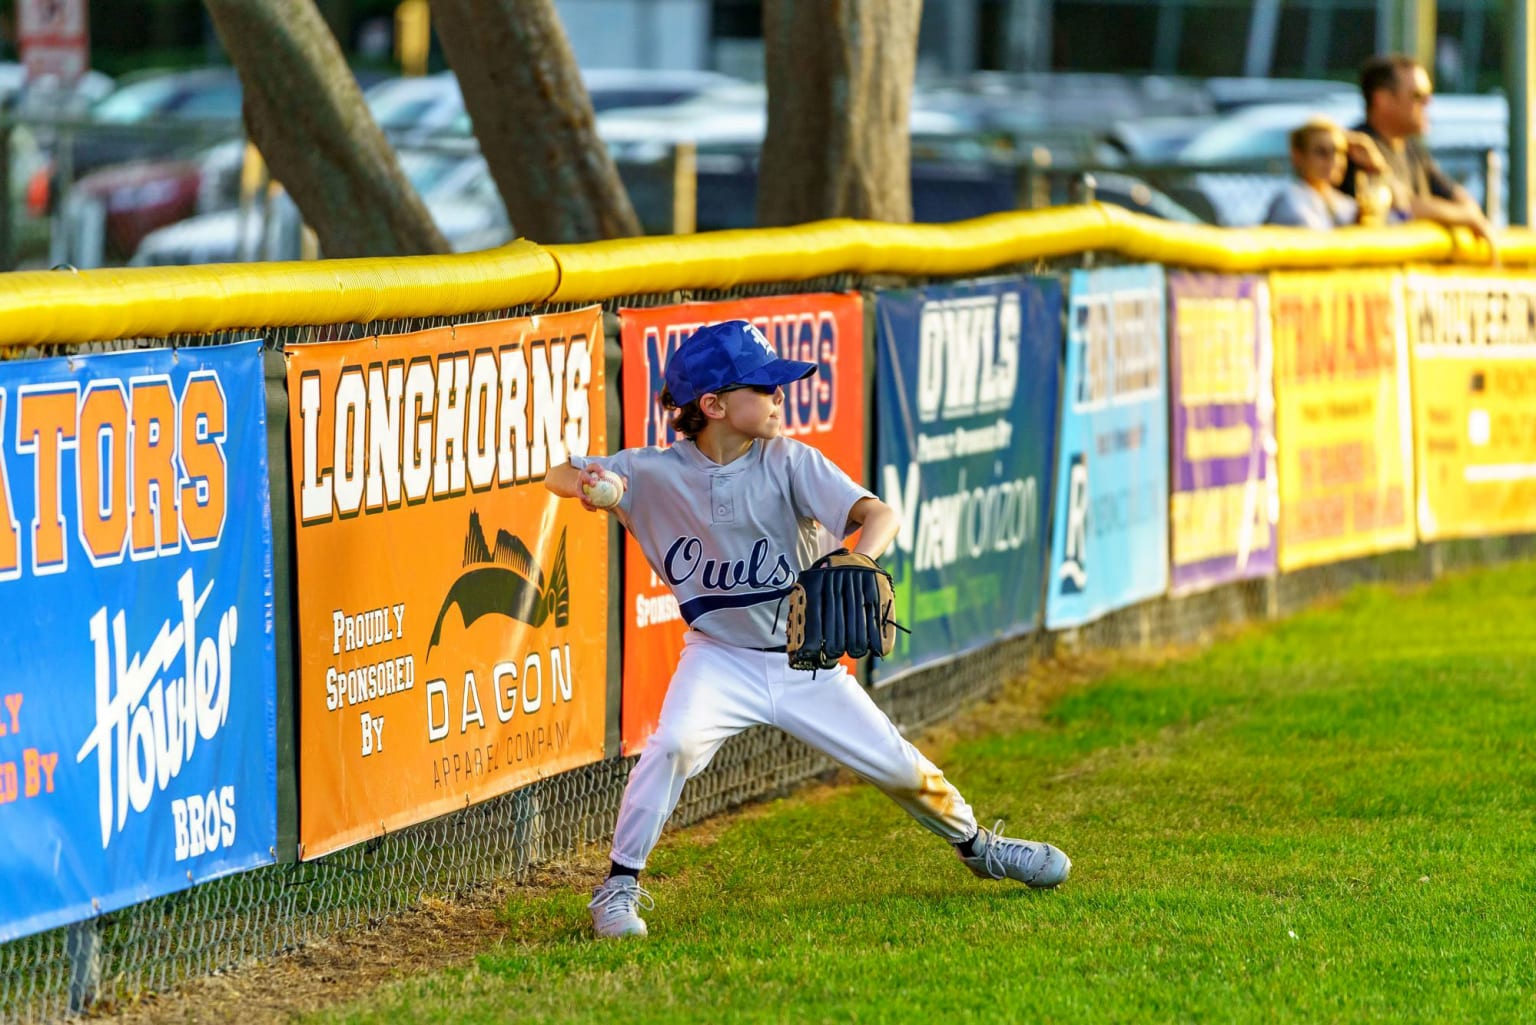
441	933
446	933
437	935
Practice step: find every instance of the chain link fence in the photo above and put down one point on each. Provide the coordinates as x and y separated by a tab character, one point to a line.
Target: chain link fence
155	945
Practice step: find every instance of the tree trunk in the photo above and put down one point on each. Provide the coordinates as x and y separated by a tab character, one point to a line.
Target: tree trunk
839	95
305	113
534	119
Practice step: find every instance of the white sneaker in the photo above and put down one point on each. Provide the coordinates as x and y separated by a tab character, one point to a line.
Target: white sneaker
616	908
1030	862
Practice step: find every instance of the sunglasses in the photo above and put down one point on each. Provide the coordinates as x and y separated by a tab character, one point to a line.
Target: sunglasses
761	389
1324	150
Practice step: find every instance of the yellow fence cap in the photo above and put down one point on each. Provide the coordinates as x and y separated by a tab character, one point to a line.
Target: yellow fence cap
724	259
49	307
52	307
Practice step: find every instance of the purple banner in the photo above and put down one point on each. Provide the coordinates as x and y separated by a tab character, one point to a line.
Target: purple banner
1224	496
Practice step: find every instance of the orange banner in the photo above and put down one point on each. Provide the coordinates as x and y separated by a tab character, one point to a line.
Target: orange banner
452	613
826	411
1342	416
1474	390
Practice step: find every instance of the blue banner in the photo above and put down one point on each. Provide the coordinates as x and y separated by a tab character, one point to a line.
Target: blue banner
1109	534
138	705
967	383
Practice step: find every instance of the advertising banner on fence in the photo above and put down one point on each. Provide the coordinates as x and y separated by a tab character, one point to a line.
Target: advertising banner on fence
1341	415
1109	537
1221	395
452	612
967	379
825	411
138	704
1473	338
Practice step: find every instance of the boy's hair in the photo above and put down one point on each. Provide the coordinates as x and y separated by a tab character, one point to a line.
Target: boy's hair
688	420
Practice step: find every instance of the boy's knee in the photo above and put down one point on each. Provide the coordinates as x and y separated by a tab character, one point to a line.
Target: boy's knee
679	753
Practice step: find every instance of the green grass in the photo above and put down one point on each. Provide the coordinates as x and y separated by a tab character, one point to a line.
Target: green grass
1333	819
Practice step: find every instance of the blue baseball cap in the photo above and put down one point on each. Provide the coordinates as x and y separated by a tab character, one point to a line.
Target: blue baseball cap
721	355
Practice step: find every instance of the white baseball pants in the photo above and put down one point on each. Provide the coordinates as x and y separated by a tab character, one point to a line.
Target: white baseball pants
719	690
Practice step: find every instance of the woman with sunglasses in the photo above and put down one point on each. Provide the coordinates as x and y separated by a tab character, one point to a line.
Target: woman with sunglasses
1320	155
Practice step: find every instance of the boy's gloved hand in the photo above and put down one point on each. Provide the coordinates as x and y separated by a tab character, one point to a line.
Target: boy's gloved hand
841	605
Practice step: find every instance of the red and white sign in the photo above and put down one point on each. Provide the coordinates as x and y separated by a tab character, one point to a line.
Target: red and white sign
53	39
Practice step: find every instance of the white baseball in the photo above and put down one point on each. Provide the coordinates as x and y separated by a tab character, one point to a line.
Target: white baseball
605	494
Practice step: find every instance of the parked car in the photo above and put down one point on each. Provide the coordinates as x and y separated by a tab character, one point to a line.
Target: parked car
1154	140
1260	134
618	88
128	201
158	114
731	118
46	97
1229	94
1023	105
456	187
107	213
412	109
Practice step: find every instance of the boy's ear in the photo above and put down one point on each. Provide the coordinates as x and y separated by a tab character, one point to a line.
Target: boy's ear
712	406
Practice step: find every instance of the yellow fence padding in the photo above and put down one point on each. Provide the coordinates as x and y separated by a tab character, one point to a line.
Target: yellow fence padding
723	259
43	307
717	259
1256	249
1517	247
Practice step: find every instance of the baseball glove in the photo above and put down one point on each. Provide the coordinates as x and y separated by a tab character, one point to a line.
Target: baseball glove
841	605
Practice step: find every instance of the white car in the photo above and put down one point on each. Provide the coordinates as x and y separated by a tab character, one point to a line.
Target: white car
413	109
45	97
732	117
419	107
456	187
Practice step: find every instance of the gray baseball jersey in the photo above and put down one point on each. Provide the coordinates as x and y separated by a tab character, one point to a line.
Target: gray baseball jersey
730	540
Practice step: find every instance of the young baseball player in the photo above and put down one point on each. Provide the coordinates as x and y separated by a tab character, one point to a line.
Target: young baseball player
729	517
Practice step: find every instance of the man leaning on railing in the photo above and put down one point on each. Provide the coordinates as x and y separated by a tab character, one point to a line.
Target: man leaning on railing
1397	92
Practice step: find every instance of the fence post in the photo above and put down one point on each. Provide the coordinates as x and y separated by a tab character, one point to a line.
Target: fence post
1521	86
1035	179
1493	187
7	208
63	184
83	947
1082	190
685	189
